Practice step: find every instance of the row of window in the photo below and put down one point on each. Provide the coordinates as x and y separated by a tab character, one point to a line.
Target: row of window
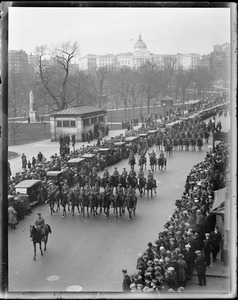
85	122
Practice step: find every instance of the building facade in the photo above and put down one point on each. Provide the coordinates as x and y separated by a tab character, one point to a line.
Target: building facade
76	120
138	57
18	60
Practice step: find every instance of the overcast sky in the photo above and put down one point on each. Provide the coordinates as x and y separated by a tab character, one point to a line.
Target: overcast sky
116	30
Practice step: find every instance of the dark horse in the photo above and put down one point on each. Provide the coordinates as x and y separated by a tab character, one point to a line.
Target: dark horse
85	202
39	235
114	181
63	199
131	202
162	162
142	161
123	181
152	162
133	181
151	185
141	185
132	162
106	202
118	202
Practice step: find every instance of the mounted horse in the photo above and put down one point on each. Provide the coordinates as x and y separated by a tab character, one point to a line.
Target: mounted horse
142	185
39	235
169	149
142	161
114	182
131	202
62	199
133	181
94	200
85	202
162	162
105	181
153	162
106	202
118	202
150	186
132	162
123	181
94	179
75	202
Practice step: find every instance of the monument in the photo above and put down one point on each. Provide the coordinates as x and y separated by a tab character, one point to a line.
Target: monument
32	112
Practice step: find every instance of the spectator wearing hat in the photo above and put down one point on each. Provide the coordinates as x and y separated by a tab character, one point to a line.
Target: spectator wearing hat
182	267
126	282
200	265
207	249
189	257
12	216
171	281
150	251
215	238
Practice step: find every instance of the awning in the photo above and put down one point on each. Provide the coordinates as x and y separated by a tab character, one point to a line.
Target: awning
219	200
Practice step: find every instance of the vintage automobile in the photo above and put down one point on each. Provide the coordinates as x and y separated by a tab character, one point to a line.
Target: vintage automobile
76	163
88	157
32	188
132	143
143	135
153	132
55	176
122	148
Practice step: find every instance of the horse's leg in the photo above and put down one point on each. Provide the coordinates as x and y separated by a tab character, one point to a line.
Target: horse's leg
148	194
116	212
45	241
40	248
34	258
87	212
129	210
72	211
82	212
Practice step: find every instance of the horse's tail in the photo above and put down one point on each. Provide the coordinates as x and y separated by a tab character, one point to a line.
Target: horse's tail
49	228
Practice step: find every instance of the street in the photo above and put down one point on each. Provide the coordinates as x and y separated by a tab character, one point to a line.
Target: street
88	255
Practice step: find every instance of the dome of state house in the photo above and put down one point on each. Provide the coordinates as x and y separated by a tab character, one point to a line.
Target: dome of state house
140	44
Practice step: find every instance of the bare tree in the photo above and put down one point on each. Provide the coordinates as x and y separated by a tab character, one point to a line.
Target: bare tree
98	79
54	72
184	77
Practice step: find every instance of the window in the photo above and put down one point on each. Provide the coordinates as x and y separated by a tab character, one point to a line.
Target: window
65	123
100	119
59	124
86	122
73	123
94	120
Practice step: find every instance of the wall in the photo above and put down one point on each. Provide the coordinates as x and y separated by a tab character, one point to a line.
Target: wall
23	133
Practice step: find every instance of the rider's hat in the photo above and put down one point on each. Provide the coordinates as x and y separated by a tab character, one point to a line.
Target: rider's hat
38	213
115	168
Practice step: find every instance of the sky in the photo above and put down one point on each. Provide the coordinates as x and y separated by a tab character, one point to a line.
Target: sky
116	30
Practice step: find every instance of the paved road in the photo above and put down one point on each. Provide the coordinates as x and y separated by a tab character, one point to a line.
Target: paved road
89	254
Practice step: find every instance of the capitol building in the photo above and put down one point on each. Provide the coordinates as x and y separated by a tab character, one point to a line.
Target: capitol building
138	57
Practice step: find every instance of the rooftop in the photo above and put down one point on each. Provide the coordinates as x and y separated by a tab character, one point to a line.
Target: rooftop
79	110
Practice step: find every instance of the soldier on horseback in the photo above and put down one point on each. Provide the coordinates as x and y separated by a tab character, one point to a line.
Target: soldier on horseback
141	174
150	176
124	173
106	174
115	173
132	173
40	223
161	154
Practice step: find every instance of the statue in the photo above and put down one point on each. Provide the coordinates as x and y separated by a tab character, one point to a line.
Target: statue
32	112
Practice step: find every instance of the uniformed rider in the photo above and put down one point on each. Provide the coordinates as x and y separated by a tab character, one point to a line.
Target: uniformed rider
141	173
161	154
150	175
132	173
87	189
40	222
106	174
115	173
124	173
108	189
152	154
130	191
120	190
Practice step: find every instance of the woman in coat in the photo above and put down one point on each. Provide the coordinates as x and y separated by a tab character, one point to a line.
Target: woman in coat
182	266
12	216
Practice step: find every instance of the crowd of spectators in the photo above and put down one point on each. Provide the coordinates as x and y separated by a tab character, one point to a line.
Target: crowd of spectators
167	264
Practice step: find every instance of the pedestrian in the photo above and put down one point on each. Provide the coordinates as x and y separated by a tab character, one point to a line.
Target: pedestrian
29	165
200	265
12	216
40	156
207	249
215	238
126	282
33	161
182	267
24	161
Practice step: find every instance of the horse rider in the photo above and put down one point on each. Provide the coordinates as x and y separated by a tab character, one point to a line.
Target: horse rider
124	173
120	190
141	174
115	173
150	176
161	154
106	174
130	191
153	154
132	173
87	189
40	223
108	189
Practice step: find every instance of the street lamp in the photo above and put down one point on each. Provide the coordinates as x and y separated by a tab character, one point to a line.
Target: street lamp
164	110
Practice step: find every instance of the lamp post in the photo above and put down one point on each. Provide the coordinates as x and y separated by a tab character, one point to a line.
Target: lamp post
164	110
